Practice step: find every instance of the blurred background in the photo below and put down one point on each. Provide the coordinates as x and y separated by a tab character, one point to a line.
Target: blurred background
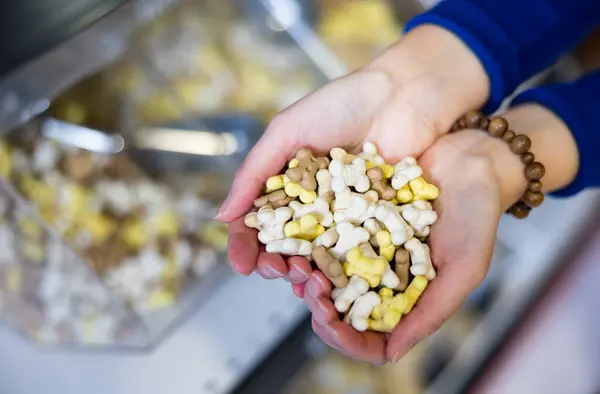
121	125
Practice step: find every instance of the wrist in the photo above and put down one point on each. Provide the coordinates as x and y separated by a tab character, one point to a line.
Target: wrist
551	143
431	60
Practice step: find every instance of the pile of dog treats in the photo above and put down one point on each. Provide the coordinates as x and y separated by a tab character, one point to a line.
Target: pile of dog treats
363	223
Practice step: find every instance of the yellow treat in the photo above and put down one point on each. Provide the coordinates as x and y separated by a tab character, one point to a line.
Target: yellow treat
404	195
167	224
14	280
42	195
32	250
307	228
294	189
98	226
77	203
423	190
134	234
414	291
370	269
275	183
160	299
29	228
293	163
395	201
215	234
386	247
388	170
5	160
27	184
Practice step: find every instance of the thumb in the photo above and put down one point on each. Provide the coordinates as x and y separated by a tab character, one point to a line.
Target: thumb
268	156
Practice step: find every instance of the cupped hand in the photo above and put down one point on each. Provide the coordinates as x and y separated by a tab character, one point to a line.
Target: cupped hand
469	208
399	102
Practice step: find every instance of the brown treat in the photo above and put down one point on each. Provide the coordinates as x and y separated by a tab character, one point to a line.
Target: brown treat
385	191
520	210
105	257
535	171
508	136
534	186
306	169
473	119
330	266
251	220
532	199
79	166
527	158
402	259
497	127
121	167
276	199
520	144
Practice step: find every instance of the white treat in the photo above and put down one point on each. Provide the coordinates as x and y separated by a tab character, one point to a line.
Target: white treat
45	156
345	175
420	259
8	245
290	247
349	237
398	228
420	215
362	309
20	162
319	208
116	195
323	178
369	153
327	239
183	255
344	297
204	260
357	208
151	265
405	171
272	221
373	226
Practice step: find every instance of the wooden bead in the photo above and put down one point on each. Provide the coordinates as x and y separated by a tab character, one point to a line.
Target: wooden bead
520	210
527	158
473	119
532	199
508	136
497	127
534	186
485	123
462	124
535	171
520	144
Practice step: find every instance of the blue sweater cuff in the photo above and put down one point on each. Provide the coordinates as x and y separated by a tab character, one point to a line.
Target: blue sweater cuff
576	104
486	39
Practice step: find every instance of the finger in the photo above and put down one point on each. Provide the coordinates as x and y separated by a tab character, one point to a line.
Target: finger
323	333
442	297
243	247
365	346
316	286
271	266
266	158
298	289
299	269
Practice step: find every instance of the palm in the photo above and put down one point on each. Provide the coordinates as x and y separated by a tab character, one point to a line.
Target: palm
461	243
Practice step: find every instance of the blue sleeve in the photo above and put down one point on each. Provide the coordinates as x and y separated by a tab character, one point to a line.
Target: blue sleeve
514	39
577	104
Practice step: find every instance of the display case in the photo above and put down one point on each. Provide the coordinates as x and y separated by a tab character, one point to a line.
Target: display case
120	137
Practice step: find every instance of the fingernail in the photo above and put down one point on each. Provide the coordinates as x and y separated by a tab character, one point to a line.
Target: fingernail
321	306
302	270
224	206
312	288
396	357
320	279
272	272
297	275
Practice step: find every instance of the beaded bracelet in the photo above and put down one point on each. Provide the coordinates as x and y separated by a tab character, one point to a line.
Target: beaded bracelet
519	145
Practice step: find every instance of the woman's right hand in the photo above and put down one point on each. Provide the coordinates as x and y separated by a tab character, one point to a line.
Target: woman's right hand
403	101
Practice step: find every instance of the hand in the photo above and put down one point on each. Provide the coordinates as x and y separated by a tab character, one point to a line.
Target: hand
479	178
402	102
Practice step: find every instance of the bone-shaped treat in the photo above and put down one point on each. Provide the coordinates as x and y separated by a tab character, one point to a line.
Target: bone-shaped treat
383	240
357	211
324	181
345	175
405	171
307	228
370	153
420	259
276	199
344	199
402	260
304	167
276	182
387	314
344	297
361	310
270	222
330	266
290	247
293	190
388	278
422	190
349	237
327	239
384	191
319	208
404	194
420	215
414	290
370	269
398	228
